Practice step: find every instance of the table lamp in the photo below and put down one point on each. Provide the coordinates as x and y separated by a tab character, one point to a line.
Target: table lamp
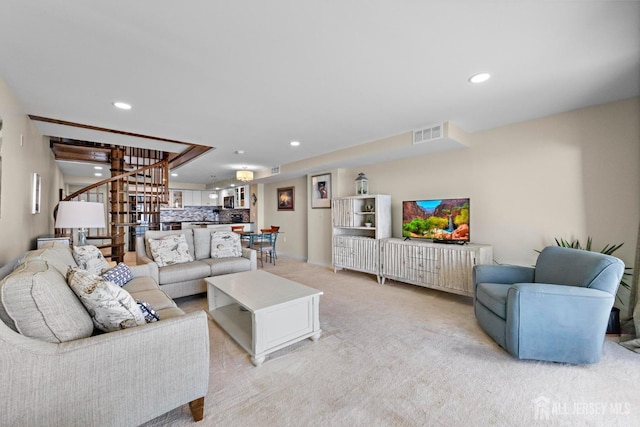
81	215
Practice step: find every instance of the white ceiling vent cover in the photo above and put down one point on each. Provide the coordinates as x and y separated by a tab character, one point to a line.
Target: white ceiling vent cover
275	170
428	133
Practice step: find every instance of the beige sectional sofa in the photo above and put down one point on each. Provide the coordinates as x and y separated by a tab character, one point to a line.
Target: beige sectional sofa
187	278
57	371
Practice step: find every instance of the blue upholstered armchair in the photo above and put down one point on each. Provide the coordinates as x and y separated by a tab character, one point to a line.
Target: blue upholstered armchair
557	311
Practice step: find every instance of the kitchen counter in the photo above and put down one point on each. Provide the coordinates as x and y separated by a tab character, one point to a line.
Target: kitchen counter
216	225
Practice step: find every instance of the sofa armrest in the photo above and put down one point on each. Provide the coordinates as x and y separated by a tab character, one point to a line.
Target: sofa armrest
544	320
143	259
158	366
252	256
147	269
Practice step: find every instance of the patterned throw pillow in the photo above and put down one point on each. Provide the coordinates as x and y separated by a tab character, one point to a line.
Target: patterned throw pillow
225	244
90	258
171	249
120	274
150	315
111	307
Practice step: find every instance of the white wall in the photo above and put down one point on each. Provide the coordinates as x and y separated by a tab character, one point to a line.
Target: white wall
570	175
293	239
20	158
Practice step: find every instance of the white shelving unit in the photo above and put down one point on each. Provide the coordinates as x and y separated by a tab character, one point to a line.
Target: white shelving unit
432	265
356	246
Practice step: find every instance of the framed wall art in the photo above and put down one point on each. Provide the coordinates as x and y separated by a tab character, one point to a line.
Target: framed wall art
286	200
36	189
321	191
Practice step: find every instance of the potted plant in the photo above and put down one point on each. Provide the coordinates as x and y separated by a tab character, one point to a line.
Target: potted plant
368	221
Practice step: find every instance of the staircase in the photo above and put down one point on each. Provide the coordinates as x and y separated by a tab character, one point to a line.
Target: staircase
132	196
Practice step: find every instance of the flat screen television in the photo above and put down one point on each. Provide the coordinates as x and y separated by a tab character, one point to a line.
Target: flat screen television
442	220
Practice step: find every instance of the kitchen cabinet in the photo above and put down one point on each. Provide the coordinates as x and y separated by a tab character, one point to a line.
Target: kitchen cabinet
210	198
242	197
191	198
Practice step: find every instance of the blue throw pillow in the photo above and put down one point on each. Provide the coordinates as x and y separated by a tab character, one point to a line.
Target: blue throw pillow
150	315
120	274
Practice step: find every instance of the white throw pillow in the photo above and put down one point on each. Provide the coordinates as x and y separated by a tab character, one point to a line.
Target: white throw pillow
171	249
90	258
225	244
110	306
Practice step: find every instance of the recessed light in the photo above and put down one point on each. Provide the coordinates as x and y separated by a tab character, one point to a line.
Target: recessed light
239	152
217	188
233	185
174	174
294	143
122	105
479	78
97	174
98	168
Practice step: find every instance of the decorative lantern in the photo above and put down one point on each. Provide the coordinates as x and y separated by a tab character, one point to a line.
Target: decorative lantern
362	184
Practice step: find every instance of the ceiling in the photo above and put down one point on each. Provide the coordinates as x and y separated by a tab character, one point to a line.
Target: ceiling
253	75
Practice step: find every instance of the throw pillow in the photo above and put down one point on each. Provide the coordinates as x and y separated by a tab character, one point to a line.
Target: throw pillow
171	249
150	315
110	306
36	302
120	274
90	258
225	244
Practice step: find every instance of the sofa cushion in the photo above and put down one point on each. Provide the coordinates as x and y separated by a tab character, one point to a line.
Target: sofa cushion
225	244
119	275
168	313
110	306
227	265
185	271
36	302
156	298
142	283
89	257
202	243
169	250
58	255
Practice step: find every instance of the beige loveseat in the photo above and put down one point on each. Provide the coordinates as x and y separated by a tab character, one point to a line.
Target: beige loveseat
187	278
53	374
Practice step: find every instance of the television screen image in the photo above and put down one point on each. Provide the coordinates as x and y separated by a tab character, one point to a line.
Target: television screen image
440	219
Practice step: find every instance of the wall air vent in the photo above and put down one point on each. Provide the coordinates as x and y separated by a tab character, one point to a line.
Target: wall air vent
275	170
428	133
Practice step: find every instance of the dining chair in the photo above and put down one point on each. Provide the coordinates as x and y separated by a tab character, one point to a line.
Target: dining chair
237	228
264	243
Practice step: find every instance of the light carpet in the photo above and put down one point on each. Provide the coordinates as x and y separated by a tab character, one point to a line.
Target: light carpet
398	354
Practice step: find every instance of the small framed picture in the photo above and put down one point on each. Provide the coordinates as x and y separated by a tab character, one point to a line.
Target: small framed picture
36	189
286	199
321	191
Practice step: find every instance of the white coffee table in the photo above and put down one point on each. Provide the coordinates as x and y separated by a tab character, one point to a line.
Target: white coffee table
277	312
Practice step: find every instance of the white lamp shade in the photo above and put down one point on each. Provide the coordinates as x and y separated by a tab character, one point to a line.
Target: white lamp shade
80	215
244	175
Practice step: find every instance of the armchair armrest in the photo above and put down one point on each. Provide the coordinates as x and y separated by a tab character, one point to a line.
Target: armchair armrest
542	317
158	366
252	256
506	274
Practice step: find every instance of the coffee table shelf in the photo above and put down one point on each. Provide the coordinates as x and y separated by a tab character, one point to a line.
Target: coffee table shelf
263	312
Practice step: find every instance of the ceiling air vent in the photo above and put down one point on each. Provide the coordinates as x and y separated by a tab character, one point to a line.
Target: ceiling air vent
428	133
275	170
